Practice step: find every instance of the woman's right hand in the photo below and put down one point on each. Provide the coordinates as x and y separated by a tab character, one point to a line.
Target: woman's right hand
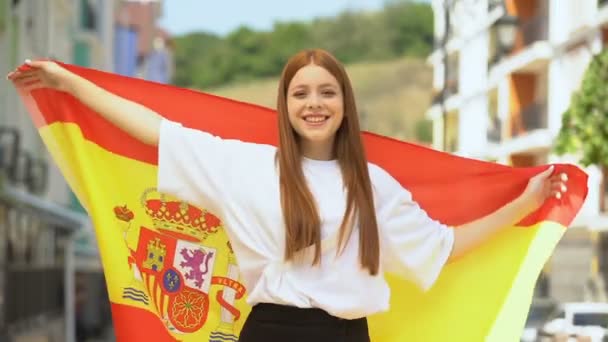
41	74
137	120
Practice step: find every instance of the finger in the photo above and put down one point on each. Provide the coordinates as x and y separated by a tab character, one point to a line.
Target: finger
561	177
15	73
24	67
35	63
30	84
21	73
559	186
556	194
26	76
26	82
545	174
33	86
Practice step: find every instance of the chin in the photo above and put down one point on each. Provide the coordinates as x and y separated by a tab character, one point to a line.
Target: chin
316	137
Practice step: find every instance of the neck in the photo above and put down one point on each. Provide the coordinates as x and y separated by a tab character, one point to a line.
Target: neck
318	151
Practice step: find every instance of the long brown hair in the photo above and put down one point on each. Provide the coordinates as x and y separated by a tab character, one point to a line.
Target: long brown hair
299	210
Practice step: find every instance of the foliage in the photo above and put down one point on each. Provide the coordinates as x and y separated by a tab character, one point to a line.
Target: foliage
585	124
401	28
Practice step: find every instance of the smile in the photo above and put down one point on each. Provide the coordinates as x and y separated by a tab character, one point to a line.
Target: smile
316	119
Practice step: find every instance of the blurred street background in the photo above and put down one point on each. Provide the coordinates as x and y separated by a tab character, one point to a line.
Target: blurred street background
518	82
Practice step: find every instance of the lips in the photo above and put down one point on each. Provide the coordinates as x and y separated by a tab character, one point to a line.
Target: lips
315	118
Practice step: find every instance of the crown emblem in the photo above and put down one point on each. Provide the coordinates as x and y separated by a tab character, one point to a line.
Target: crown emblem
180	219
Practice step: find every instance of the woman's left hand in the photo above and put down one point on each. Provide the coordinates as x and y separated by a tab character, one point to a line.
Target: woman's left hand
540	187
544	185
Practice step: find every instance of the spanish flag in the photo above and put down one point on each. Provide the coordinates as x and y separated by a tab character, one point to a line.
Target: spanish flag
169	267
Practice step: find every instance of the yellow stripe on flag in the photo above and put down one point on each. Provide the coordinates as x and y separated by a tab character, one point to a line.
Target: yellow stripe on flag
129	179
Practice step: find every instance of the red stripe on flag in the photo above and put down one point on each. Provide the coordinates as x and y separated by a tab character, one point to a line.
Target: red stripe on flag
216	115
133	324
452	189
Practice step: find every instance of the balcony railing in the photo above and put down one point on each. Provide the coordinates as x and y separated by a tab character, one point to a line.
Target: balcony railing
604	191
531	118
492	4
32	292
493	133
451	86
534	29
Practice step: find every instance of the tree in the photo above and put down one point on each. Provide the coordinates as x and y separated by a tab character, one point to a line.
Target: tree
410	27
424	131
585	124
402	28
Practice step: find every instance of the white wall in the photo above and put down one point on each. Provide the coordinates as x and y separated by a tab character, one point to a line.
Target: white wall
465	19
474	111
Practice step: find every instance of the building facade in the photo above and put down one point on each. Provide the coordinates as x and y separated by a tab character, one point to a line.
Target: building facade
502	100
51	281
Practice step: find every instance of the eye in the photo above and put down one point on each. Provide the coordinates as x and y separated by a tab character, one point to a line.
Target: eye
299	94
328	93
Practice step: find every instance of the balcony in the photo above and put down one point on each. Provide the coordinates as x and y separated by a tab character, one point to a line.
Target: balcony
492	4
451	86
534	29
532	117
452	131
494	130
451	89
604	191
453	66
493	134
604	201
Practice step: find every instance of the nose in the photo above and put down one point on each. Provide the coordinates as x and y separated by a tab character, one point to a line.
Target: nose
314	101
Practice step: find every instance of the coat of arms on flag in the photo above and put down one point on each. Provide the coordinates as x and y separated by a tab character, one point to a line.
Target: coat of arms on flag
173	269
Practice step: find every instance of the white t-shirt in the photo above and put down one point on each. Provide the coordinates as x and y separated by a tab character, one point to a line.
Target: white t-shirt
239	182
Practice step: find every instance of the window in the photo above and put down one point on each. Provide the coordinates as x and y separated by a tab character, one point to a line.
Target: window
88	15
539	311
591	318
559	314
36	26
82	53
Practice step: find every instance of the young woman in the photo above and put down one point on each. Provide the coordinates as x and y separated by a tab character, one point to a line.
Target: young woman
313	224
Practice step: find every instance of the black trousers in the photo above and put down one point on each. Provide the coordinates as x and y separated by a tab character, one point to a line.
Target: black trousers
278	323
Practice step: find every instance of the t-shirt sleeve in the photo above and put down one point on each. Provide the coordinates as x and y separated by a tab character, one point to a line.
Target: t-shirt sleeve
195	166
414	246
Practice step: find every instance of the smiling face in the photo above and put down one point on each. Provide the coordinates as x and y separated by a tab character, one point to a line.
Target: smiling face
315	106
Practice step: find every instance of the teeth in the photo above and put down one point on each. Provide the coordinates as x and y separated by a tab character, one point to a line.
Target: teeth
315	118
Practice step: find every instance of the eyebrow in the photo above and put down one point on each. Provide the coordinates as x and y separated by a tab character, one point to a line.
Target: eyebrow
320	86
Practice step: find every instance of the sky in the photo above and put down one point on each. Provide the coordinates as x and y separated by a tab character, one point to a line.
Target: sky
223	16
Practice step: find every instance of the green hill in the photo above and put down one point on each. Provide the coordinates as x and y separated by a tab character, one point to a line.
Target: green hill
392	96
